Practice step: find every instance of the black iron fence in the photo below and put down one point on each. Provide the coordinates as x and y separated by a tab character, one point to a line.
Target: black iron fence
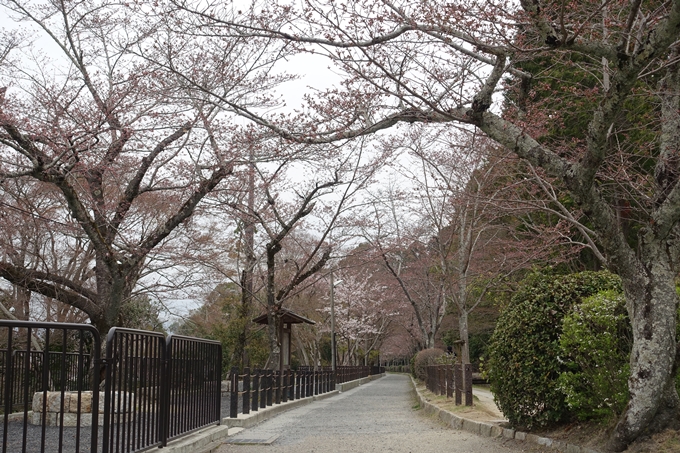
194	384
352	373
156	388
450	380
257	389
133	395
39	401
32	375
348	372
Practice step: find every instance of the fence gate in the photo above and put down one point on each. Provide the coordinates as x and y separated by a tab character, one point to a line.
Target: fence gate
133	417
158	389
194	385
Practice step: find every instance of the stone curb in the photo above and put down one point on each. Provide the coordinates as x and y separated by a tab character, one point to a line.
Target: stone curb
209	439
486	429
357	382
203	441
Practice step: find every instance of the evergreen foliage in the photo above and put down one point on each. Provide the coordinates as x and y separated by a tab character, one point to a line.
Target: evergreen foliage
524	364
596	342
219	318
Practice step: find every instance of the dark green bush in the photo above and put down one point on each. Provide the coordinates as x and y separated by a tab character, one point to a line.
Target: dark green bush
424	358
524	364
596	342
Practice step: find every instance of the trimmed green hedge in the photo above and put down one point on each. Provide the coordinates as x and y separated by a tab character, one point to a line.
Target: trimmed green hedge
596	342
524	354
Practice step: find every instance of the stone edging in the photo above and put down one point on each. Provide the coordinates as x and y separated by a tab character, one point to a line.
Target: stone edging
209	439
486	429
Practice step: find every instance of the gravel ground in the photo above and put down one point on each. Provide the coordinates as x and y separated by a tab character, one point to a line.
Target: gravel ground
376	417
15	435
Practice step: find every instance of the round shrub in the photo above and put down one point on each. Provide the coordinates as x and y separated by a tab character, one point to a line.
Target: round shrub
595	343
524	364
424	358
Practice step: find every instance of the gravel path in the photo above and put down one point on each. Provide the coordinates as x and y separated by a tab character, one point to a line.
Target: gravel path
375	417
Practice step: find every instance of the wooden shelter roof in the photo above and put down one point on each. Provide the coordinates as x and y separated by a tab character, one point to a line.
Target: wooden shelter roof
287	316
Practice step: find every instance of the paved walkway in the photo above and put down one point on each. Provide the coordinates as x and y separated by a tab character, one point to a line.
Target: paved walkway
375	417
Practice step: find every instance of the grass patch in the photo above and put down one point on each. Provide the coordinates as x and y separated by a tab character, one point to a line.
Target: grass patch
449	404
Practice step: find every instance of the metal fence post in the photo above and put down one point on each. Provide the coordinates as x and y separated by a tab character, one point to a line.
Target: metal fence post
449	381
270	387
164	393
263	389
256	389
442	380
278	381
298	381
246	390
233	403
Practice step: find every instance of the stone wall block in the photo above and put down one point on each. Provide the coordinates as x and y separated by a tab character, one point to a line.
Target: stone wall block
54	401
508	433
37	402
85	402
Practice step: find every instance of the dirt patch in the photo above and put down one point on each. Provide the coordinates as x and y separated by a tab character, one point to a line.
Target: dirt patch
595	436
592	436
479	411
665	442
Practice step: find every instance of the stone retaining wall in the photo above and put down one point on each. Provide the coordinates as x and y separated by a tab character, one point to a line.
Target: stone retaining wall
54	404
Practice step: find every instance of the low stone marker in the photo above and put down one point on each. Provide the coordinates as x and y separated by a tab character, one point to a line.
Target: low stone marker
53	408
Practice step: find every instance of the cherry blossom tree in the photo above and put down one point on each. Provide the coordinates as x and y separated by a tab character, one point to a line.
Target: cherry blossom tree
443	62
124	149
459	224
304	193
362	314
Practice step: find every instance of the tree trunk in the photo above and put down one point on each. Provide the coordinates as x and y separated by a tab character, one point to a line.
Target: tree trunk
301	349
652	306
463	332
272	309
114	287
21	303
274	343
429	340
248	269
